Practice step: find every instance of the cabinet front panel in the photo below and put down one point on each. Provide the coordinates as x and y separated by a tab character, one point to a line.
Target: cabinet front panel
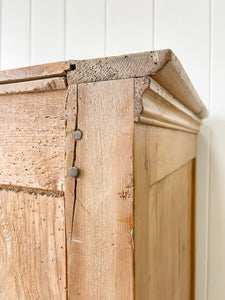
32	133
32	246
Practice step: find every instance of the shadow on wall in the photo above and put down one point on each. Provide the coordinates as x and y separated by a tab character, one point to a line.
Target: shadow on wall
210	205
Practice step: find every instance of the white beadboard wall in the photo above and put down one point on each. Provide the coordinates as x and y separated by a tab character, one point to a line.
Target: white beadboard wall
42	31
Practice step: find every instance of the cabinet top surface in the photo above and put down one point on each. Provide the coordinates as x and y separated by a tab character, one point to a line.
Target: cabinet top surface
163	66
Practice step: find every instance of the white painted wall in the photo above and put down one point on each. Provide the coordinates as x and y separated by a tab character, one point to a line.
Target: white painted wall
39	31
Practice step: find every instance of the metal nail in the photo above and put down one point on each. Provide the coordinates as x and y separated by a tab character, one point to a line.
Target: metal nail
77	134
74	172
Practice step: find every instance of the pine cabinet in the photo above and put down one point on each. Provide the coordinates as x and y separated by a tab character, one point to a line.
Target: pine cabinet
97	179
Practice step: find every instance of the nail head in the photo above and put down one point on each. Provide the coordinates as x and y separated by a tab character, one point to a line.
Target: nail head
74	172
77	134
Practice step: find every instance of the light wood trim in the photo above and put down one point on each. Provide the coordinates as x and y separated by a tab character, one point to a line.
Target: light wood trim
34	86
167	150
102	237
162	65
176	81
35	72
155	106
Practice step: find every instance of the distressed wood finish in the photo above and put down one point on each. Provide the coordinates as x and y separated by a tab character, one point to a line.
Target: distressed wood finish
124	228
162	65
34	86
35	72
32	130
70	155
32	246
102	238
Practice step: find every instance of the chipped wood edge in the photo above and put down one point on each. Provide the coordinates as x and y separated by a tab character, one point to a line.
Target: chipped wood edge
35	72
161	65
33	86
155	106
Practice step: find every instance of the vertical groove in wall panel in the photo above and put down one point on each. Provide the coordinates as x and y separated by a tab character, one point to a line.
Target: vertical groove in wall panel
15	33
85	29
184	27
47	31
129	26
216	270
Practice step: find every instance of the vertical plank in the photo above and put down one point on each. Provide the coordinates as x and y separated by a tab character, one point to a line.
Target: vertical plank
216	277
184	26
85	29
163	227
129	26
15	43
47	31
102	243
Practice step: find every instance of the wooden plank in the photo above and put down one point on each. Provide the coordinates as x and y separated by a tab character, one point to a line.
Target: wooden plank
85	26
47	31
102	239
32	131
34	86
15	40
34	72
32	246
163	250
167	150
118	67
162	65
70	155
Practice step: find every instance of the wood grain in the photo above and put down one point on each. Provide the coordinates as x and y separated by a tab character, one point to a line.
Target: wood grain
163	230
102	238
32	246
118	67
166	150
70	155
155	106
176	81
34	86
35	72
32	131
161	65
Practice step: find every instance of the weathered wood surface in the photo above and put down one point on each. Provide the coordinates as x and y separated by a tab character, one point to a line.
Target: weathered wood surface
34	86
35	72
102	239
163	230
167	150
32	246
70	155
32	131
162	65
155	106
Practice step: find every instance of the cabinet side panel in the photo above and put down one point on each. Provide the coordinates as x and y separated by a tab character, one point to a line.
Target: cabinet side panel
32	246
101	264
164	228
